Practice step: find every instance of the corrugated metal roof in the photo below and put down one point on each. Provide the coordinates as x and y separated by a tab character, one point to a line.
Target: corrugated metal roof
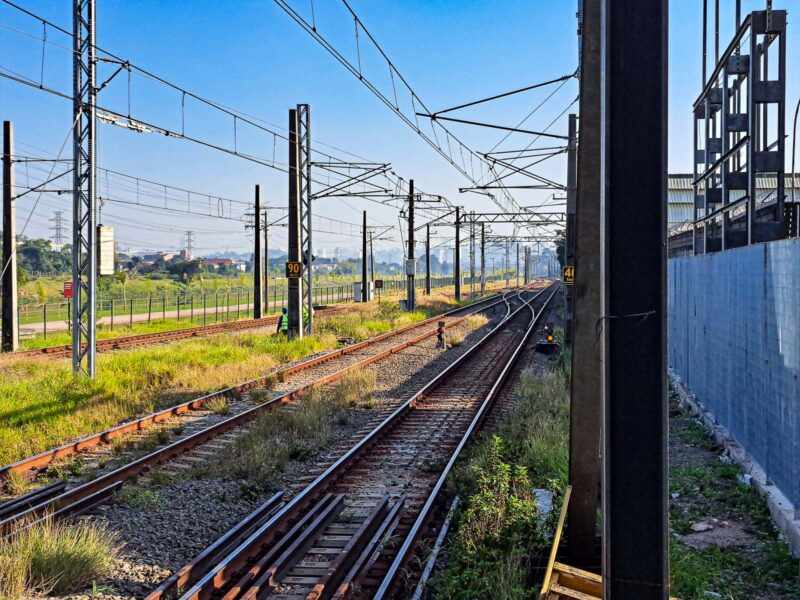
683	181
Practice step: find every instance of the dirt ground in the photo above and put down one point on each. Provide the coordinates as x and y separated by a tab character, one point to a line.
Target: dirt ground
724	544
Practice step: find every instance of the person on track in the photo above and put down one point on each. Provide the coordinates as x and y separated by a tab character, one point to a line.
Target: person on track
283	322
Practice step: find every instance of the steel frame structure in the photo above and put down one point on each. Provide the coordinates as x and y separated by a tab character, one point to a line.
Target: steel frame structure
521	218
305	198
84	199
733	139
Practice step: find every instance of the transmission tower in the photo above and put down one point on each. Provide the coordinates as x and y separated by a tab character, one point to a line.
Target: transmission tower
189	244
58	228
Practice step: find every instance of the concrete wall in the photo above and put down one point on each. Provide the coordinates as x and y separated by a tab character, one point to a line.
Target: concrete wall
734	339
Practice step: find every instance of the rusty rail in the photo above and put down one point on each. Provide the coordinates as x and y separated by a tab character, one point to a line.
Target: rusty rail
253	561
61	504
31	465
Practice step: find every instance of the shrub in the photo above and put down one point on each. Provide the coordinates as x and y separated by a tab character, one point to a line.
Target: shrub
52	557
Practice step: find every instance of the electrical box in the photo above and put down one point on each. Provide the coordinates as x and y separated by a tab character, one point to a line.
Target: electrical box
411	266
357	291
105	250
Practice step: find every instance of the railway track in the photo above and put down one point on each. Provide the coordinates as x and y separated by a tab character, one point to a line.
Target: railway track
63	499
147	339
351	532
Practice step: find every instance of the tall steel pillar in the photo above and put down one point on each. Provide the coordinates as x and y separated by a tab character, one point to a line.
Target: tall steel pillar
371	261
10	324
506	266
483	258
294	285
364	279
304	180
472	256
517	264
526	268
84	199
411	264
457	257
428	259
569	258
635	422
258	262
266	262
585	382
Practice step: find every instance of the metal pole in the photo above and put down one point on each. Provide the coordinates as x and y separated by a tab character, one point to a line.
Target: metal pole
457	257
635	422
585	380
294	284
10	319
371	261
84	202
411	265
483	258
428	259
505	267
472	256
304	199
364	295
258	262
572	177
517	264
266	262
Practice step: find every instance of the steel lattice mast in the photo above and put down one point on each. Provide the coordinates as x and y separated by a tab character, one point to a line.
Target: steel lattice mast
306	245
84	247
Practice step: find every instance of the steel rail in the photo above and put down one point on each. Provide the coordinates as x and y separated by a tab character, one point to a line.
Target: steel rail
63	501
269	533
40	461
131	341
416	530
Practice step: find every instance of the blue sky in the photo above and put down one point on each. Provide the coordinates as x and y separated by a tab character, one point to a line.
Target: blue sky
249	55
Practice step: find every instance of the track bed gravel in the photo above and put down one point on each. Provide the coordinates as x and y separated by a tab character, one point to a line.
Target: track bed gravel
188	514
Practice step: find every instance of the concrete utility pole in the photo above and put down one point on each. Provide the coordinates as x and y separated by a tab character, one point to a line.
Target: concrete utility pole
483	258
364	283
266	261
585	383
457	257
258	262
294	282
634	55
526	268
508	277
411	265
428	259
472	256
371	261
517	264
9	324
569	258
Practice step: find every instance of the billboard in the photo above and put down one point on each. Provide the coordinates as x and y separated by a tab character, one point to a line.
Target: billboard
105	250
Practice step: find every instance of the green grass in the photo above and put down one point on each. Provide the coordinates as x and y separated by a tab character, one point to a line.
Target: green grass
498	533
292	434
104	332
44	405
140	498
55	558
712	489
